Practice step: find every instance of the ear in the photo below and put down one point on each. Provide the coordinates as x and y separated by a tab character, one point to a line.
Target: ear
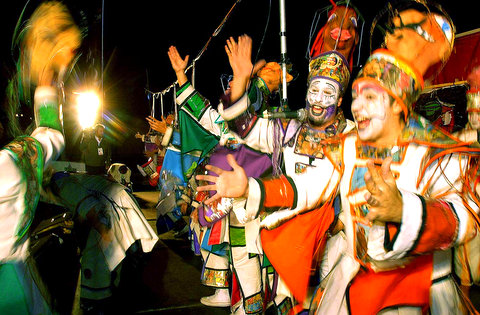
397	108
340	99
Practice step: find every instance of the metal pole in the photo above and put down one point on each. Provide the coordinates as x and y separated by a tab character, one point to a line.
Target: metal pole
102	88
283	53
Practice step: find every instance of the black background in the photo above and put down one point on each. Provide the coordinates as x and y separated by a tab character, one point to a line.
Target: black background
136	37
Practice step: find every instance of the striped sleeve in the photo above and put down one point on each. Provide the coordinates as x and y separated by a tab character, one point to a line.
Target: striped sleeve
191	101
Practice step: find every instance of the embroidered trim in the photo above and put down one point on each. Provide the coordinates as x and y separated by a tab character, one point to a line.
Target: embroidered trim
216	278
27	153
285	306
253	304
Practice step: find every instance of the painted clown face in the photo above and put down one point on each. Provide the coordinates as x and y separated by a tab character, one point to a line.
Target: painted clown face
374	114
323	97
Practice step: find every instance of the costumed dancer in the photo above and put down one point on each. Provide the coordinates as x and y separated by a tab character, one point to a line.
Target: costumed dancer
175	182
300	144
110	224
155	147
400	180
47	47
221	232
301	149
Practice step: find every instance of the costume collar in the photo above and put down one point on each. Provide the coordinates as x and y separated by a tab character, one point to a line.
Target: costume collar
309	140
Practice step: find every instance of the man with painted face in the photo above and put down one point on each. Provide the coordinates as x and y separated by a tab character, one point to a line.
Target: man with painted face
301	147
401	182
328	78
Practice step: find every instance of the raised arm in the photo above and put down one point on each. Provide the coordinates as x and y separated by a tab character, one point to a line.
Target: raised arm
178	64
240	58
48	49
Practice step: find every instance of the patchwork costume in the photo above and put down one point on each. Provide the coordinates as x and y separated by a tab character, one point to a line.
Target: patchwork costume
223	238
302	149
406	265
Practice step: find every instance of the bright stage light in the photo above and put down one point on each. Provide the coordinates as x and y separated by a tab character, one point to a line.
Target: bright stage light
88	104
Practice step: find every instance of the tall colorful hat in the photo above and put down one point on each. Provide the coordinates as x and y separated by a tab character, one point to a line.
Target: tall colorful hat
473	93
394	75
330	65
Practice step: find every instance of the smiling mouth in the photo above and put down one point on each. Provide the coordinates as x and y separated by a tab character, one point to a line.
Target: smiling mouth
317	110
362	122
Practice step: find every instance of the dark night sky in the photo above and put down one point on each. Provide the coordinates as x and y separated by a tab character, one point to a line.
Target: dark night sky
137	35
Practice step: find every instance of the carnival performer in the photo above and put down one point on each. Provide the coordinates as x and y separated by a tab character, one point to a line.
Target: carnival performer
47	47
110	223
221	231
400	182
301	146
155	147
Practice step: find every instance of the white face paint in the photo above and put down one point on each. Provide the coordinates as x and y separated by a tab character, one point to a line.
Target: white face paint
474	120
372	112
322	101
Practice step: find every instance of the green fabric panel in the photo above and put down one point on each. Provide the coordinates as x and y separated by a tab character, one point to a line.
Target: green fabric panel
237	236
48	116
183	88
195	103
194	137
12	297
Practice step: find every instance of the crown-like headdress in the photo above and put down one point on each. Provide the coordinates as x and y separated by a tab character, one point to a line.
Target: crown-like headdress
330	65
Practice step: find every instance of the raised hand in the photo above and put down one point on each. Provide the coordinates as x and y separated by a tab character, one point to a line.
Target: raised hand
383	196
178	64
157	125
239	56
231	184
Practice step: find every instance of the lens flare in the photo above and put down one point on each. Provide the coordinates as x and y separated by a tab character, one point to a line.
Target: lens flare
88	104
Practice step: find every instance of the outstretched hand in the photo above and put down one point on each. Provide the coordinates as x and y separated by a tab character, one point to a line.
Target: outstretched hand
178	64
230	184
383	196
157	125
239	56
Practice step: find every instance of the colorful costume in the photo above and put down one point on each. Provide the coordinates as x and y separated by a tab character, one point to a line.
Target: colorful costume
301	147
386	264
226	232
23	161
